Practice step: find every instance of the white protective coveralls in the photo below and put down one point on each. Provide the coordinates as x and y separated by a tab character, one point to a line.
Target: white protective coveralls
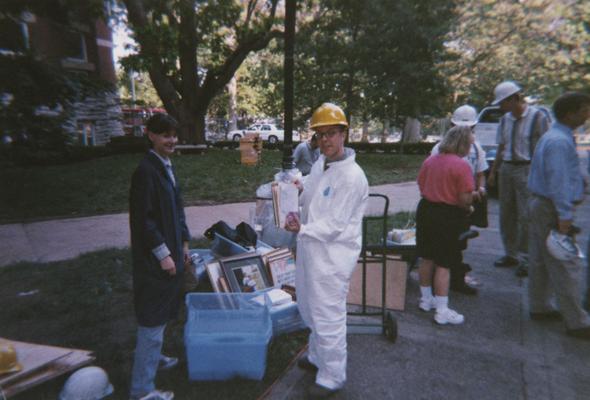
328	246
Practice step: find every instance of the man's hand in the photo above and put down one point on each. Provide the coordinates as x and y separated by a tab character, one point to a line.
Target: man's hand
167	264
186	253
564	226
292	223
492	178
475	195
479	194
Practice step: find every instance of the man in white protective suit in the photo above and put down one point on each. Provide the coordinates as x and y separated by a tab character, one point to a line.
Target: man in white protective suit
333	200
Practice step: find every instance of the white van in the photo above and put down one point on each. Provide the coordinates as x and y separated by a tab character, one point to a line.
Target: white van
486	129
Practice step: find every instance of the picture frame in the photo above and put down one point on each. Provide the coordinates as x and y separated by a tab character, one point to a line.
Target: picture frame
215	272
245	273
282	270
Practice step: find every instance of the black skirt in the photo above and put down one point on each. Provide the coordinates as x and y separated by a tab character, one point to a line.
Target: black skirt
438	226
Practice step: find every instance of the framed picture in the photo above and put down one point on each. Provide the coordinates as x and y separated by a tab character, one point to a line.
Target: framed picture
245	273
215	273
282	270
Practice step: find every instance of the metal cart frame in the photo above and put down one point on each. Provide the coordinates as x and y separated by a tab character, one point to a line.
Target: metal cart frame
375	253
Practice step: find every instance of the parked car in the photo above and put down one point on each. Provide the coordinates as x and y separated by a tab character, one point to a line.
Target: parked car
267	132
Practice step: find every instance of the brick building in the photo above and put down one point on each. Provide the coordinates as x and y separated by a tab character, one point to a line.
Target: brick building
84	48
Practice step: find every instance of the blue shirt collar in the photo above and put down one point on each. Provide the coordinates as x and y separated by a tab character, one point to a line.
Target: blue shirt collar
562	128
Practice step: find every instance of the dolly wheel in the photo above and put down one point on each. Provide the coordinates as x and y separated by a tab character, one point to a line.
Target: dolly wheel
391	328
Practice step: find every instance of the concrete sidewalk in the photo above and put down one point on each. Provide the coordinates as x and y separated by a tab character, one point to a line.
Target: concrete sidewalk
63	239
498	353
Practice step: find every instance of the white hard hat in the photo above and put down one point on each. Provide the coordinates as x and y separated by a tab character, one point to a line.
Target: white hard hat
505	90
563	247
90	383
464	116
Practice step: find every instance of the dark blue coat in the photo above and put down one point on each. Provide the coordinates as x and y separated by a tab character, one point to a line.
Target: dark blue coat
156	216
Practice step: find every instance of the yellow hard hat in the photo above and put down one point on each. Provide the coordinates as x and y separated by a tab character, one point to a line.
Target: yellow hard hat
328	114
8	360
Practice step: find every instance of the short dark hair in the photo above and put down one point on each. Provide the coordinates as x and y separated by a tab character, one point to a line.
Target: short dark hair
161	123
569	102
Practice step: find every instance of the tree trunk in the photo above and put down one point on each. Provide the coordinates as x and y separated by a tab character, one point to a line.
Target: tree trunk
411	132
200	126
365	137
385	133
232	90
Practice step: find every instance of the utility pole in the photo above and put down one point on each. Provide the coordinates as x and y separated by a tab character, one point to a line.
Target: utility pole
132	80
290	15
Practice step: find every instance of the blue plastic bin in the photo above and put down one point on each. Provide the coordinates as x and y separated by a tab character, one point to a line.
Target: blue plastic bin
285	318
226	336
223	247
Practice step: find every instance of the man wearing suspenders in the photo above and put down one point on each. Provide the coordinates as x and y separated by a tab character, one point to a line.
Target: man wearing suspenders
518	133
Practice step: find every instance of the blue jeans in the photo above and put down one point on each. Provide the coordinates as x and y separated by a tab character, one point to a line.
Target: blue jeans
147	358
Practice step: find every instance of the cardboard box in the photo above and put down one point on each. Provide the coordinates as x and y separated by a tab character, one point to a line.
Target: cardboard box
395	290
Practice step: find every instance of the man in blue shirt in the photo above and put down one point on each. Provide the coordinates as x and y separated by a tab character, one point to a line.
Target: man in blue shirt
556	186
305	154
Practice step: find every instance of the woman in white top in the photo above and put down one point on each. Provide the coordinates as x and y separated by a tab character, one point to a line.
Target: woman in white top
466	115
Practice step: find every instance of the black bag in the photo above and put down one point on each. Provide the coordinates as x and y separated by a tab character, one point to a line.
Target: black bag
246	234
243	235
479	217
222	229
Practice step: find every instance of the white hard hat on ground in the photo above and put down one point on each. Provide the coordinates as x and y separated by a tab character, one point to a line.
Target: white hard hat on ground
464	116
90	383
505	90
563	247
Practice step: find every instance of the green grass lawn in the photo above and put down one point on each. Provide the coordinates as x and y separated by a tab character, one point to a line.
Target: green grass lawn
101	185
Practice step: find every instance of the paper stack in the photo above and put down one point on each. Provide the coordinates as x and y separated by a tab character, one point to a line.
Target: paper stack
285	199
277	297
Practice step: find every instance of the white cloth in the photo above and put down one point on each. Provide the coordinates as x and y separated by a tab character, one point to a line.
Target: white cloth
476	157
328	246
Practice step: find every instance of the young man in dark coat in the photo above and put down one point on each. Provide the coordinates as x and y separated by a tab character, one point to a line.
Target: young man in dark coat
159	243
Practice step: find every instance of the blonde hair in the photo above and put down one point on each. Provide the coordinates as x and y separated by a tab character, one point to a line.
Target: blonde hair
456	141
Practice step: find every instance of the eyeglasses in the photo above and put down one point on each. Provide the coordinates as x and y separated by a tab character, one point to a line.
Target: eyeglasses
328	134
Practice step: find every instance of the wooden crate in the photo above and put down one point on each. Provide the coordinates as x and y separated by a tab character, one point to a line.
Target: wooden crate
395	290
249	155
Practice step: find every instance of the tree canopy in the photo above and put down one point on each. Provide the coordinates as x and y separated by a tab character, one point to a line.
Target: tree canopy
191	50
542	44
378	59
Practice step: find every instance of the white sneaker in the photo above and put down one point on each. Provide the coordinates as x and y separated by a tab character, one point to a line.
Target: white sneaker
426	304
448	316
157	395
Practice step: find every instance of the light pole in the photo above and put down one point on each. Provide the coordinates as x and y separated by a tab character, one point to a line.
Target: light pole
290	14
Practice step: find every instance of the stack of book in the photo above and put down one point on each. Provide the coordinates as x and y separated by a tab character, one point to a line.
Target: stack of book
280	264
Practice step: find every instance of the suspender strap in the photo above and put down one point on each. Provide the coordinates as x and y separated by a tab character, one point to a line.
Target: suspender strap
531	130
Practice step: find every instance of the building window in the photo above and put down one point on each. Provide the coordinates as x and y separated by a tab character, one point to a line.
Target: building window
86	132
74	45
14	36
